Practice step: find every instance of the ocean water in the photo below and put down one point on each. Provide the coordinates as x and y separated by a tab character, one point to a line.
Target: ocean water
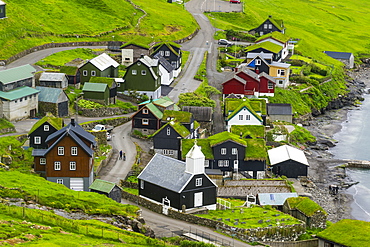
354	143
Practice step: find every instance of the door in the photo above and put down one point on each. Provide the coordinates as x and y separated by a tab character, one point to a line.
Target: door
76	184
236	165
198	199
166	204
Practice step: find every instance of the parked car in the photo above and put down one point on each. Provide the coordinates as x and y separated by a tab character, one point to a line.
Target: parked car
225	42
100	127
109	137
235	1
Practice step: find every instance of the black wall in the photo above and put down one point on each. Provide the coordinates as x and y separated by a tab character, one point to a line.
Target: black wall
63	109
153	121
43	134
290	169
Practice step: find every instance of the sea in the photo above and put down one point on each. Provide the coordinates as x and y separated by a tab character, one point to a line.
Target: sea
354	143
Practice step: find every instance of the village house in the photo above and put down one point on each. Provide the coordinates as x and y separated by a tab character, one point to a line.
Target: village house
55	80
171	52
269	25
71	69
53	100
280	39
203	115
280	112
166	70
101	66
345	57
131	52
69	157
177	184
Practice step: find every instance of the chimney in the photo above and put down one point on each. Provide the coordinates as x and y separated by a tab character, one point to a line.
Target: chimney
142	55
195	160
257	70
73	122
270	16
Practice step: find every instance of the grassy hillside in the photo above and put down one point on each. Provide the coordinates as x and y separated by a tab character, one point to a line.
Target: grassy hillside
33	23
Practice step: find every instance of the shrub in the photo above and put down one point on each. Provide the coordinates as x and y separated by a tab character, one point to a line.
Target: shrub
87	104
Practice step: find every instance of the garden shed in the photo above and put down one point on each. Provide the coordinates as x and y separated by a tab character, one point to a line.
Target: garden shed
56	80
97	92
53	100
274	199
109	189
345	57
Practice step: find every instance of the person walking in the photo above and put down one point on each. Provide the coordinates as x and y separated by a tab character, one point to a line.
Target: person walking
120	154
124	156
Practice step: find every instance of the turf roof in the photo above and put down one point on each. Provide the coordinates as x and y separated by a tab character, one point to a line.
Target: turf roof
275	35
177	126
277	22
265	45
305	205
187	144
225	136
153	109
105	80
181	116
354	233
242	106
68	70
254	131
56	122
170	46
256	149
145	46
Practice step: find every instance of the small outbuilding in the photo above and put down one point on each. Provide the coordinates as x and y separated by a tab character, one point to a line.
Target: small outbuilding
109	189
53	100
274	199
56	80
288	161
345	57
97	92
280	112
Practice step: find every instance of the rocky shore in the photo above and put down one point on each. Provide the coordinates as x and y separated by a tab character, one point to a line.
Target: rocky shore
324	169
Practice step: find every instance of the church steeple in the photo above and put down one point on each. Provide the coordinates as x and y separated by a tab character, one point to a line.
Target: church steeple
195	160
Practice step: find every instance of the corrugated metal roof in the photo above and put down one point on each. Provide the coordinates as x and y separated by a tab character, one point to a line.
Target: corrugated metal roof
103	62
166	172
281	65
47	76
279	109
39	152
102	185
338	55
18	93
164	63
274	199
49	94
94	87
16	74
285	152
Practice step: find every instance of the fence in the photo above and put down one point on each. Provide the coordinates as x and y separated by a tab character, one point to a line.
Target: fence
205	237
223	203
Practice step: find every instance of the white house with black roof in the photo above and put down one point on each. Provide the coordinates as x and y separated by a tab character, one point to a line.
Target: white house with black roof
166	70
177	184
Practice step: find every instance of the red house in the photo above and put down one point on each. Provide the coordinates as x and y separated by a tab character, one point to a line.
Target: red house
248	83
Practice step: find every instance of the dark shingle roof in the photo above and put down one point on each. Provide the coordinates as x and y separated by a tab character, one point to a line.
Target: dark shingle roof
279	109
164	63
49	94
338	55
166	172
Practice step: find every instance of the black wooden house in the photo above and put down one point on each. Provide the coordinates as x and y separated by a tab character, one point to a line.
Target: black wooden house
177	184
42	129
171	52
268	26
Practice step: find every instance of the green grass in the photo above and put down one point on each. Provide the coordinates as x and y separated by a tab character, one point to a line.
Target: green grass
60	58
251	216
46	21
131	191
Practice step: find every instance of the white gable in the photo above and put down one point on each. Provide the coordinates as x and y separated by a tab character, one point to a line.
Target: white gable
103	62
285	152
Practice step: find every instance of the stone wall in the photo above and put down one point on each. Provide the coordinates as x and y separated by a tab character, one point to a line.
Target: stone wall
45	107
104	162
304	243
155	207
100	112
7	130
318	220
100	137
108	121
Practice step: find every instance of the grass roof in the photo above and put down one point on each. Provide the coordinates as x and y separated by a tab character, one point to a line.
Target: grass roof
256	149
68	70
187	144
265	45
275	35
354	233
253	131
177	126
225	136
56	122
135	43
181	116
105	80
258	105
242	106
277	22
305	205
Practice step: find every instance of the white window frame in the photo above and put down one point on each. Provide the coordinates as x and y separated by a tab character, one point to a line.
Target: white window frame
84	73
59	181
46	127
167	152
57	166
134	72
161	53
247	117
226	163
198	182
145	121
118	84
42	161
37	139
74	150
223	151
265	26
60	150
240	117
258	61
72	165
270	85
167	53
234	151
145	111
143	72
168	131
142	184
281	72
206	163
93	73
220	163
270	26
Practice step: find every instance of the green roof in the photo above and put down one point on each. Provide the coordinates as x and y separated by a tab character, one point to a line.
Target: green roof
18	93
258	105
265	45
94	87
181	116
204	144
56	122
164	102
170	45
354	233
275	35
153	109
102	185
68	70
242	106
277	23
196	124
105	80
16	74
177	126
256	149
226	136
305	205
254	131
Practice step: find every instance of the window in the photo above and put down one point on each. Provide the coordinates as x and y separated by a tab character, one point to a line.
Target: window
141	184
46	127
60	150
145	121
138	63
223	151
42	161
270	26
173	64
161	52
198	182
280	82
84	73
206	163
16	101
226	163
21	99
73	150
72	165
57	165
281	72
127	59
247	117
168	131
167	152
134	71
37	139
240	117
270	85
234	151
93	73
143	72
265	26
59	181
167	53
145	111
258	61
118	84
220	163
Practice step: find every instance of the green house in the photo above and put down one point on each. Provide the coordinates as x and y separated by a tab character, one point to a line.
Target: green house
97	92
101	66
143	77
